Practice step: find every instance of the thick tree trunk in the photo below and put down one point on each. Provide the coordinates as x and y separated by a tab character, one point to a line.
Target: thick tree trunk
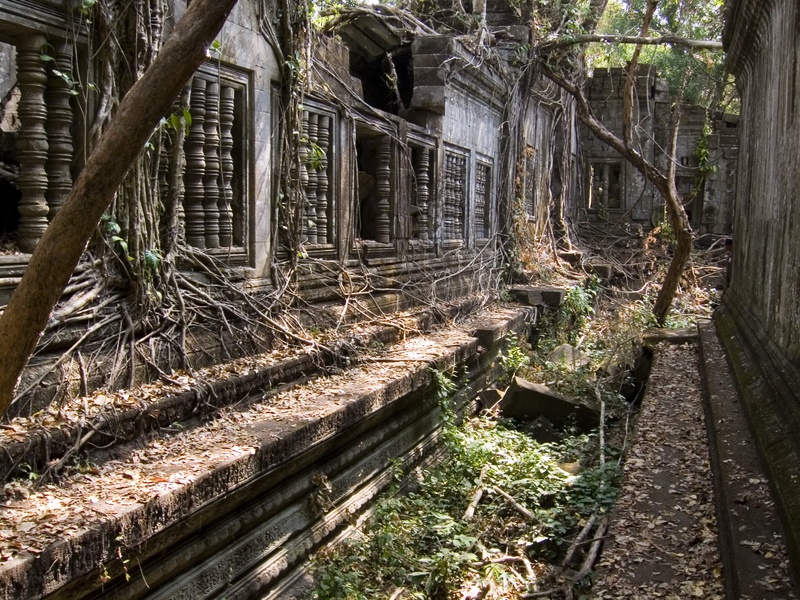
60	248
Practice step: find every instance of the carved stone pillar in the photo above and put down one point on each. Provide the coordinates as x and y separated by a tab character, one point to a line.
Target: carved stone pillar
59	137
32	143
458	192
422	163
303	158
383	186
310	219
226	115
323	141
211	178
195	167
449	197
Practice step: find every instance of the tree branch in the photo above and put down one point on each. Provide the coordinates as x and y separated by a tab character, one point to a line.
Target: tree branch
670	40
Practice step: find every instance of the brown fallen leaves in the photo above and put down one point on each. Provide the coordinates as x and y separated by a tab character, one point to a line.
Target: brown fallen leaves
664	527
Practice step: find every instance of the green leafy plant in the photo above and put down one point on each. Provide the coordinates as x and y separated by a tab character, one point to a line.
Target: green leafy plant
513	359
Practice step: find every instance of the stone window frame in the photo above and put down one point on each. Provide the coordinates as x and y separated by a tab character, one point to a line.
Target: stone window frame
449	187
328	248
225	75
484	162
417	143
594	205
381	137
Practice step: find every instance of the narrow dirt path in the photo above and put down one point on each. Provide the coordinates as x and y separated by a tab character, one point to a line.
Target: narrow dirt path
663	534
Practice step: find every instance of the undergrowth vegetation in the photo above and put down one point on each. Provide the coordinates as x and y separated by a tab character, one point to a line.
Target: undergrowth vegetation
504	515
423	543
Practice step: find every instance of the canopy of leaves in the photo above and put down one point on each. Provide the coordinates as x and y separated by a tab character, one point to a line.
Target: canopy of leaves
700	72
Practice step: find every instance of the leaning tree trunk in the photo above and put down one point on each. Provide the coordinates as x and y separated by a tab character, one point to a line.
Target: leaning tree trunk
679	221
60	248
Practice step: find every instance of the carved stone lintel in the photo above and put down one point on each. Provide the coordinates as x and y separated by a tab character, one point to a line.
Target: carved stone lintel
323	141
32	146
211	177
59	137
226	116
383	186
195	167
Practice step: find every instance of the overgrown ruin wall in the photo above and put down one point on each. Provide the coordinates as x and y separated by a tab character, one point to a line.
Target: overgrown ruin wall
760	321
401	188
616	192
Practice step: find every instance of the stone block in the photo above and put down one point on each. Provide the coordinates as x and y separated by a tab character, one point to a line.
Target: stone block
432	44
655	335
429	97
429	76
527	401
543	431
538	296
488	399
572	358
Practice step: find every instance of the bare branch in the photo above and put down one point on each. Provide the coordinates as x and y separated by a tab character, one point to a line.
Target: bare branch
669	40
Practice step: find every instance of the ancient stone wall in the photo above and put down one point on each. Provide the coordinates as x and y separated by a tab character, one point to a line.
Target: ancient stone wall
760	320
617	192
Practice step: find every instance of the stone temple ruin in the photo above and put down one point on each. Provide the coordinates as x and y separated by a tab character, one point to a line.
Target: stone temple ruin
616	192
417	158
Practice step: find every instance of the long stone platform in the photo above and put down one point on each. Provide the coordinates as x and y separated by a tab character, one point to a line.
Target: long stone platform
221	494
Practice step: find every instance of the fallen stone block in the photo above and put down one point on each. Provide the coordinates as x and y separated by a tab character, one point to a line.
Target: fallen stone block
569	356
543	431
526	401
488	399
538	296
655	335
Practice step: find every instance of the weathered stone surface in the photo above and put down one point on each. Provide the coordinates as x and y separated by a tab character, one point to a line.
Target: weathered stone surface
490	332
674	336
538	296
543	431
527	401
569	356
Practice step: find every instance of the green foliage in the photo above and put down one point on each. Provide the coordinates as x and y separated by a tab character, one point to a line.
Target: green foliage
577	307
704	70
513	359
422	542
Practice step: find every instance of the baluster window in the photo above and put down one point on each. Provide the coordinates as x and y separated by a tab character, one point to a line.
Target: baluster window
530	181
316	174
215	198
422	158
455	195
37	177
375	189
483	200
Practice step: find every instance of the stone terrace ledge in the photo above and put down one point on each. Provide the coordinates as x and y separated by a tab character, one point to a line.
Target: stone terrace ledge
226	507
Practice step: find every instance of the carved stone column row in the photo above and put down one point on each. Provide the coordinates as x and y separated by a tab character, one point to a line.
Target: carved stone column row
383	187
483	184
314	177
455	173
208	196
422	164
44	143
